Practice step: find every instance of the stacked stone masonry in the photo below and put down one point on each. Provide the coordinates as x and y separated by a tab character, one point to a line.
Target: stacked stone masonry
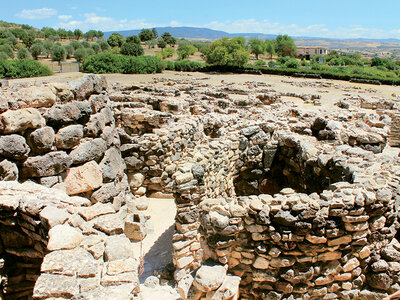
273	201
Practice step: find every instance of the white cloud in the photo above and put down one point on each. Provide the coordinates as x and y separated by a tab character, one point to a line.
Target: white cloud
65	18
35	14
93	21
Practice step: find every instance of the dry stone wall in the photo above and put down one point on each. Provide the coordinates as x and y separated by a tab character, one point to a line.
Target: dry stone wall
273	200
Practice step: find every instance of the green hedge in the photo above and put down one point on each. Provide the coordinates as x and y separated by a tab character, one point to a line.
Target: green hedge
23	68
113	63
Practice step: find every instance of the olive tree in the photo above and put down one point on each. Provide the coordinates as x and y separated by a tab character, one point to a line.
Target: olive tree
257	47
227	52
116	40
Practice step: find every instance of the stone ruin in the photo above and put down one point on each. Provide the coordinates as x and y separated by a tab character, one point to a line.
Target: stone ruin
273	201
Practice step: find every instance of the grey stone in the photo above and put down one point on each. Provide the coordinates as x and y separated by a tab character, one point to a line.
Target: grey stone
52	285
8	171
133	163
50	164
13	146
87	85
104	194
63	114
380	281
209	278
68	137
41	140
198	171
95	126
249	131
118	247
92	150
112	165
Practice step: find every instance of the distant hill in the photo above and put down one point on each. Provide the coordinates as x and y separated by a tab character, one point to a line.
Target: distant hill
210	34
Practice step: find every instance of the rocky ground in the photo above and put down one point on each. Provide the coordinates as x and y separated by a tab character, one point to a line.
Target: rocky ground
253	185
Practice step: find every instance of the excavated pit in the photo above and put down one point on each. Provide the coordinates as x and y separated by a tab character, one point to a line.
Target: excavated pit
283	167
22	248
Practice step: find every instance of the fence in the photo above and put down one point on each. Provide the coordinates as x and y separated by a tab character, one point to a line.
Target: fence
63	67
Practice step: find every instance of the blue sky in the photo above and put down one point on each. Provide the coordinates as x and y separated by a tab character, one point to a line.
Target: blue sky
332	19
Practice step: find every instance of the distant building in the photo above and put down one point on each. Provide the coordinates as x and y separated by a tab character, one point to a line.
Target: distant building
308	52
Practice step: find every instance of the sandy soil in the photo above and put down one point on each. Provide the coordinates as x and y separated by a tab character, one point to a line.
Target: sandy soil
157	246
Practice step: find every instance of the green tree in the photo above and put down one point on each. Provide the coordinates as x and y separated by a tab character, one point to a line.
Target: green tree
133	39
62	33
58	53
7	49
48	31
269	48
48	46
23	53
69	50
285	46
169	39
115	40
151	43
185	51
161	43
36	50
132	49
227	52
257	47
155	33
103	45
78	34
96	48
146	35
28	38
80	54
90	35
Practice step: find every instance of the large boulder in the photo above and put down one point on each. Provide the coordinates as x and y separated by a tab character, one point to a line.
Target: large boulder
112	164
41	140
209	278
68	137
13	121
64	114
35	96
87	151
50	164
87	85
87	177
13	146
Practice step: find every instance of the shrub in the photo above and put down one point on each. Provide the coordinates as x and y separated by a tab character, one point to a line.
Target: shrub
143	65
3	56
112	63
189	65
169	65
292	64
272	63
132	49
8	50
23	53
24	68
260	62
168	52
104	63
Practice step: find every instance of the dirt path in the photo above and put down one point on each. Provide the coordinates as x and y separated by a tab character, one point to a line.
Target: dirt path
157	246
